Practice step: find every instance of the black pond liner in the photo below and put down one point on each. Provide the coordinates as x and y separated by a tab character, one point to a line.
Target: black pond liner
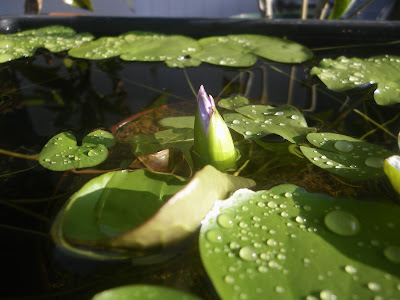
22	273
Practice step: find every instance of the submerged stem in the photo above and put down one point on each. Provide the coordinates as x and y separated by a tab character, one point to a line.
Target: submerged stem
20	155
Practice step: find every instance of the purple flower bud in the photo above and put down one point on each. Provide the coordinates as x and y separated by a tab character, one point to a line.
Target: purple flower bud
205	104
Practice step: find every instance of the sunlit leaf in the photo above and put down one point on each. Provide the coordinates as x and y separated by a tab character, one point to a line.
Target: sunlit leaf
138	46
143	292
233	102
340	7
54	38
132	209
241	50
62	153
346	156
85	4
343	73
256	121
286	243
391	166
181	138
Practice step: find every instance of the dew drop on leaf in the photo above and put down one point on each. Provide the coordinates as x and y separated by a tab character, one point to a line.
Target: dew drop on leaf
248	253
344	146
327	295
373	286
214	236
342	223
225	221
392	253
350	269
374	162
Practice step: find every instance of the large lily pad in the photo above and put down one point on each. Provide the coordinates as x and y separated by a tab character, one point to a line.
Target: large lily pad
138	46
143	292
54	38
286	243
346	156
62	153
241	50
343	73
131	210
256	121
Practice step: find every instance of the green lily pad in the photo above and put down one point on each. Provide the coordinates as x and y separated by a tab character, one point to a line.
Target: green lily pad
143	292
62	153
178	122
54	38
241	50
286	243
181	138
133	210
346	156
256	121
233	102
138	46
343	73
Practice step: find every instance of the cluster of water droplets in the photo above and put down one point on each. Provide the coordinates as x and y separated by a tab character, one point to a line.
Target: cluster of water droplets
254	244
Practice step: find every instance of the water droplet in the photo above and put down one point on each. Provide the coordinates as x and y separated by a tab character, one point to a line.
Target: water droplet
307	207
214	236
350	269
234	245
300	220
262	269
284	214
281	256
225	221
271	242
248	133
374	162
294	117
235	121
373	286
248	253
229	279
279	113
288	194
47	160
327	295
272	204
342	223
279	289
392	253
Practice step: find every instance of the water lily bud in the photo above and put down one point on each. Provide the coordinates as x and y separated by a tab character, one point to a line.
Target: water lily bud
213	142
391	166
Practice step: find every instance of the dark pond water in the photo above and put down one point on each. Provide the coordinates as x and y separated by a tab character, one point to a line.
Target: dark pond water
46	94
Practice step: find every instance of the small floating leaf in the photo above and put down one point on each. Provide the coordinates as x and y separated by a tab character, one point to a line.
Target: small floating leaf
132	209
138	46
233	102
343	73
54	38
62	153
181	138
256	121
286	243
346	156
241	50
143	292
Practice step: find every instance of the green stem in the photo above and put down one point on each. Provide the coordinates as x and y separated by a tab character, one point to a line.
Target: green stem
19	155
25	211
16	172
379	126
38	233
375	129
189	82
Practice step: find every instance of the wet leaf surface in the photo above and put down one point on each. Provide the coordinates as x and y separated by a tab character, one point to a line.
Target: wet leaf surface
144	292
233	102
286	243
62	153
54	38
256	121
343	73
346	156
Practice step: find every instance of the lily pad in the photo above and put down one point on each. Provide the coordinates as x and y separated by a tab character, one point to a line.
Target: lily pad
143	292
181	138
62	153
233	102
132	210
54	38
286	243
346	156
343	73
138	46
241	50
256	121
